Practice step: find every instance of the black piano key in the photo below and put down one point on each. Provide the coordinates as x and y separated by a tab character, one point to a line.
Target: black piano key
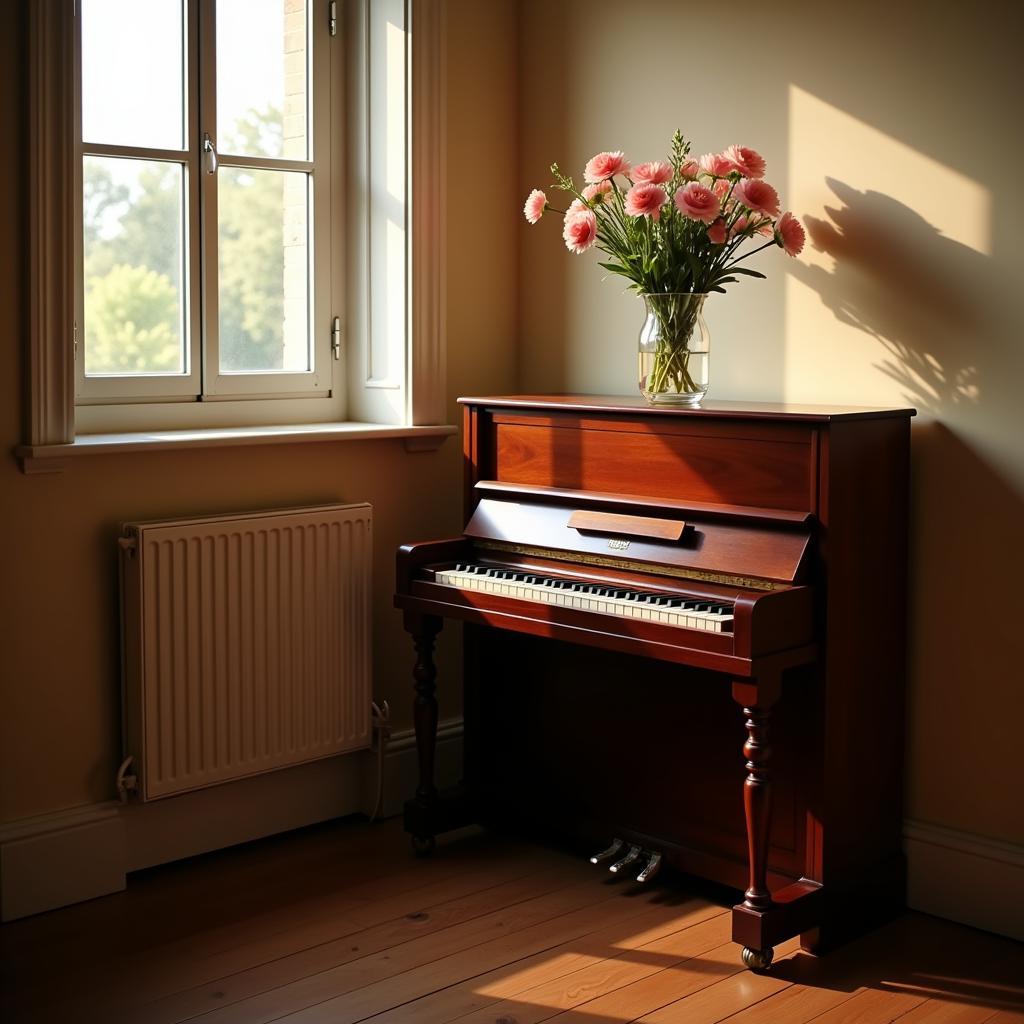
655	599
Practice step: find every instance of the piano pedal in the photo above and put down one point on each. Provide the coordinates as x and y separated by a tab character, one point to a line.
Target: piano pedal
651	868
631	858
612	851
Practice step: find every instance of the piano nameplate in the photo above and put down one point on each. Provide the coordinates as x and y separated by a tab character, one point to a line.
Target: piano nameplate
585	558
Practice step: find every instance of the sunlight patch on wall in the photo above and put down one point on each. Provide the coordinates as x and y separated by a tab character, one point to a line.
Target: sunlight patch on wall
879	302
825	142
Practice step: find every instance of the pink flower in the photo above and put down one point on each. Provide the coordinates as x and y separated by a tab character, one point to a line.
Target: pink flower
579	230
536	204
697	202
689	169
739	225
596	193
605	165
789	233
717	232
576	206
655	173
721	188
718	165
748	162
758	196
646	201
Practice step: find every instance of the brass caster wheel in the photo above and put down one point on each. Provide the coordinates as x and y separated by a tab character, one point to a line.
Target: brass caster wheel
758	960
424	846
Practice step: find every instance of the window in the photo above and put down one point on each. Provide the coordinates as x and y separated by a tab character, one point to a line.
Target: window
205	251
344	165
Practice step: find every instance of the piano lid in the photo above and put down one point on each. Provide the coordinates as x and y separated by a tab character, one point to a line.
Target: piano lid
699	546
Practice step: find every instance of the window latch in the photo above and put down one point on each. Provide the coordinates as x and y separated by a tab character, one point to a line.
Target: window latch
210	152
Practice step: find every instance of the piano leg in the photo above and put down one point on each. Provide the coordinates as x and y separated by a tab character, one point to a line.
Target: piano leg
756	702
757	806
424	630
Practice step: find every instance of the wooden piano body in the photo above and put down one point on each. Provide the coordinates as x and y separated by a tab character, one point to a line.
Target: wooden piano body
636	725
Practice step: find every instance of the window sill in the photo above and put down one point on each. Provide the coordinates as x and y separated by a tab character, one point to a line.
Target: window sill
52	458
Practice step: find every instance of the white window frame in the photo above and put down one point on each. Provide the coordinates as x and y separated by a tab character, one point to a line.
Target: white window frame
418	400
202	379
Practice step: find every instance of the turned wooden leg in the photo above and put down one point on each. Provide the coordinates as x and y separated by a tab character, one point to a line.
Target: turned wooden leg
757	804
424	633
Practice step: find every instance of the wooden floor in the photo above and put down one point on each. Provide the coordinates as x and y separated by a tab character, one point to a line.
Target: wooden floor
340	924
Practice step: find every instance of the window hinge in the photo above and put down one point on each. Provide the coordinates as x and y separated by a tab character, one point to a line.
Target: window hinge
336	337
332	16
74	340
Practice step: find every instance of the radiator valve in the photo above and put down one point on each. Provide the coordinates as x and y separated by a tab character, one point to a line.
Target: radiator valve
124	781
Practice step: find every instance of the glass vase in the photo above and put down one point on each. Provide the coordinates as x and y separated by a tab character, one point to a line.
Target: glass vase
674	349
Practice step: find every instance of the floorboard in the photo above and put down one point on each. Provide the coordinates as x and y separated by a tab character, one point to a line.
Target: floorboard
339	924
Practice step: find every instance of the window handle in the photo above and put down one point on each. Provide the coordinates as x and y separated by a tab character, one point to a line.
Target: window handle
210	152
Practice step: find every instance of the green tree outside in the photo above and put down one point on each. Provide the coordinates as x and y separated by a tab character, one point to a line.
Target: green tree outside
133	263
133	317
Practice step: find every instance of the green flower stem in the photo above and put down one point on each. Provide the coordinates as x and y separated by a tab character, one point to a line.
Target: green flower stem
671	372
677	320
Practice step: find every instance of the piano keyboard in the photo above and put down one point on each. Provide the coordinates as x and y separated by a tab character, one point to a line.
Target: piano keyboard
670	609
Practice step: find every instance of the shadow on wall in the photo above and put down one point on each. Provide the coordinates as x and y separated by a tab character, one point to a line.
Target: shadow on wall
947	320
883	248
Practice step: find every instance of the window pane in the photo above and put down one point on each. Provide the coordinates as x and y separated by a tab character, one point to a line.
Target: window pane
262	78
133	248
132	73
263	261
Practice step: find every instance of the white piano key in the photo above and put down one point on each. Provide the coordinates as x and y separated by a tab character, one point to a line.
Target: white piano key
547	592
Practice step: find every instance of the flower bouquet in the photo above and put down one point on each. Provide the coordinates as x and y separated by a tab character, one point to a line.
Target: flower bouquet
676	231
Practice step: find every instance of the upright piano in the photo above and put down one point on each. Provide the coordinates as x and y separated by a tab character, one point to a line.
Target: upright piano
647	593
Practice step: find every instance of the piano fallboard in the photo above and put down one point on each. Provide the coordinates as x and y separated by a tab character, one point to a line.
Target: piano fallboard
758	552
770	628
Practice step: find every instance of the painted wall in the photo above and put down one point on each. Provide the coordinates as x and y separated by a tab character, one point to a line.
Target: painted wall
886	131
890	129
59	726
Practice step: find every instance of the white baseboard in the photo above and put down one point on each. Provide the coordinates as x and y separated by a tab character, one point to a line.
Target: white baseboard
238	812
966	878
58	859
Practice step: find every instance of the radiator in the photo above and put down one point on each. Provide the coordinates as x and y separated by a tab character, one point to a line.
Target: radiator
246	643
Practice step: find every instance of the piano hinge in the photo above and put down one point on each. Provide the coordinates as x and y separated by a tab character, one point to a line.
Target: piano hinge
583	558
